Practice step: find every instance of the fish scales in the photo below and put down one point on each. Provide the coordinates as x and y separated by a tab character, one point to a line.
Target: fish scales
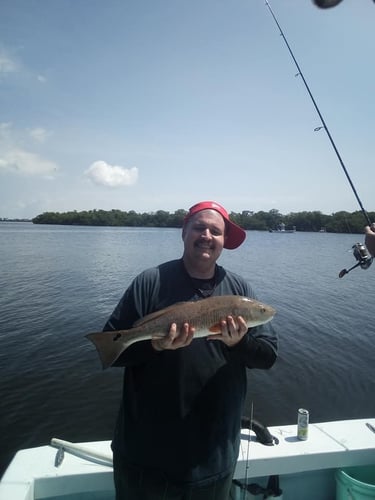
204	315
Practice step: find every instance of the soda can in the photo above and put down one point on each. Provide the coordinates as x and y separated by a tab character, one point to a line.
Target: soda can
303	424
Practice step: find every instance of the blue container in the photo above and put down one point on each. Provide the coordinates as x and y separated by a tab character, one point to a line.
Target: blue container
355	483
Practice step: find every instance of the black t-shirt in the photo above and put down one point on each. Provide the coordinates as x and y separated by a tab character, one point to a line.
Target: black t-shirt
181	410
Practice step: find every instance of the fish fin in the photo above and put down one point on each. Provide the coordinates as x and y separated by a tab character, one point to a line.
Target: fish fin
149	317
109	346
216	328
158	314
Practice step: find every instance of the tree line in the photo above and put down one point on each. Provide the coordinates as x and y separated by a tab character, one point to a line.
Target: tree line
339	222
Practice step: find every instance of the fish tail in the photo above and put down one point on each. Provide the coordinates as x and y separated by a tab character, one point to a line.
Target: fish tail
108	345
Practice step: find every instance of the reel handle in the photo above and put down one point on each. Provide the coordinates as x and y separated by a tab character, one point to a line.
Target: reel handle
346	271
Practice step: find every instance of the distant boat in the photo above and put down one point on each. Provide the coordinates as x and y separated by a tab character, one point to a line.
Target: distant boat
281	229
322	230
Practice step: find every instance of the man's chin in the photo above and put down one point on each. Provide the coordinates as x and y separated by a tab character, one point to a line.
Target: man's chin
205	255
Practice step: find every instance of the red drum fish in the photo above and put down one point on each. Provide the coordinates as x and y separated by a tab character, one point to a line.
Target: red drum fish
204	315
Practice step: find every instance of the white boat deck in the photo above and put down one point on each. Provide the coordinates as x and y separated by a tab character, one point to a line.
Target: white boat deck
337	444
332	445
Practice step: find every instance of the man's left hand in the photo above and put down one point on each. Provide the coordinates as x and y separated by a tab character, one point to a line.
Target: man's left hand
232	331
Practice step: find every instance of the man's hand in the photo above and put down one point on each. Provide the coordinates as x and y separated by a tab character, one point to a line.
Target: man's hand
370	238
232	331
174	339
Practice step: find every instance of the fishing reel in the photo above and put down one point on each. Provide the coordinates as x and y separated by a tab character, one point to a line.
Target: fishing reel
362	255
326	4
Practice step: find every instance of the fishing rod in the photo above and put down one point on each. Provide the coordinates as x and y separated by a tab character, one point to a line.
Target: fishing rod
264	436
360	251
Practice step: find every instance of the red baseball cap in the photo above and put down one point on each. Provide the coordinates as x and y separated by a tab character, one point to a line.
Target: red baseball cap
235	235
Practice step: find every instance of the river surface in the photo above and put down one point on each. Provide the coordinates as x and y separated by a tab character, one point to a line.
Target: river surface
60	282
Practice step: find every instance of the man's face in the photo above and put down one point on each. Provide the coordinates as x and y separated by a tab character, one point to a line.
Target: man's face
204	236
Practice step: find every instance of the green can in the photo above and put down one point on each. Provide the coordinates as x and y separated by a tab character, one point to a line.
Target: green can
303	424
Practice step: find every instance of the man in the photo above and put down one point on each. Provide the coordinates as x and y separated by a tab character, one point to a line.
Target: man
178	430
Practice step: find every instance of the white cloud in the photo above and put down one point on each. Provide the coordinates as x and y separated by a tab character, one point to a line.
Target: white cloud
7	65
23	162
19	160
5	131
39	134
104	174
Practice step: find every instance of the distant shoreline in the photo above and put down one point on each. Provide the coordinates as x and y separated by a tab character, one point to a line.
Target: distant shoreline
273	220
15	220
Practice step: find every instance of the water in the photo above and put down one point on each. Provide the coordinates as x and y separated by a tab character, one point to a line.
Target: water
58	283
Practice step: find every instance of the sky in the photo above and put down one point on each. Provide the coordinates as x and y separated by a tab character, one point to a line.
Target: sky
153	105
